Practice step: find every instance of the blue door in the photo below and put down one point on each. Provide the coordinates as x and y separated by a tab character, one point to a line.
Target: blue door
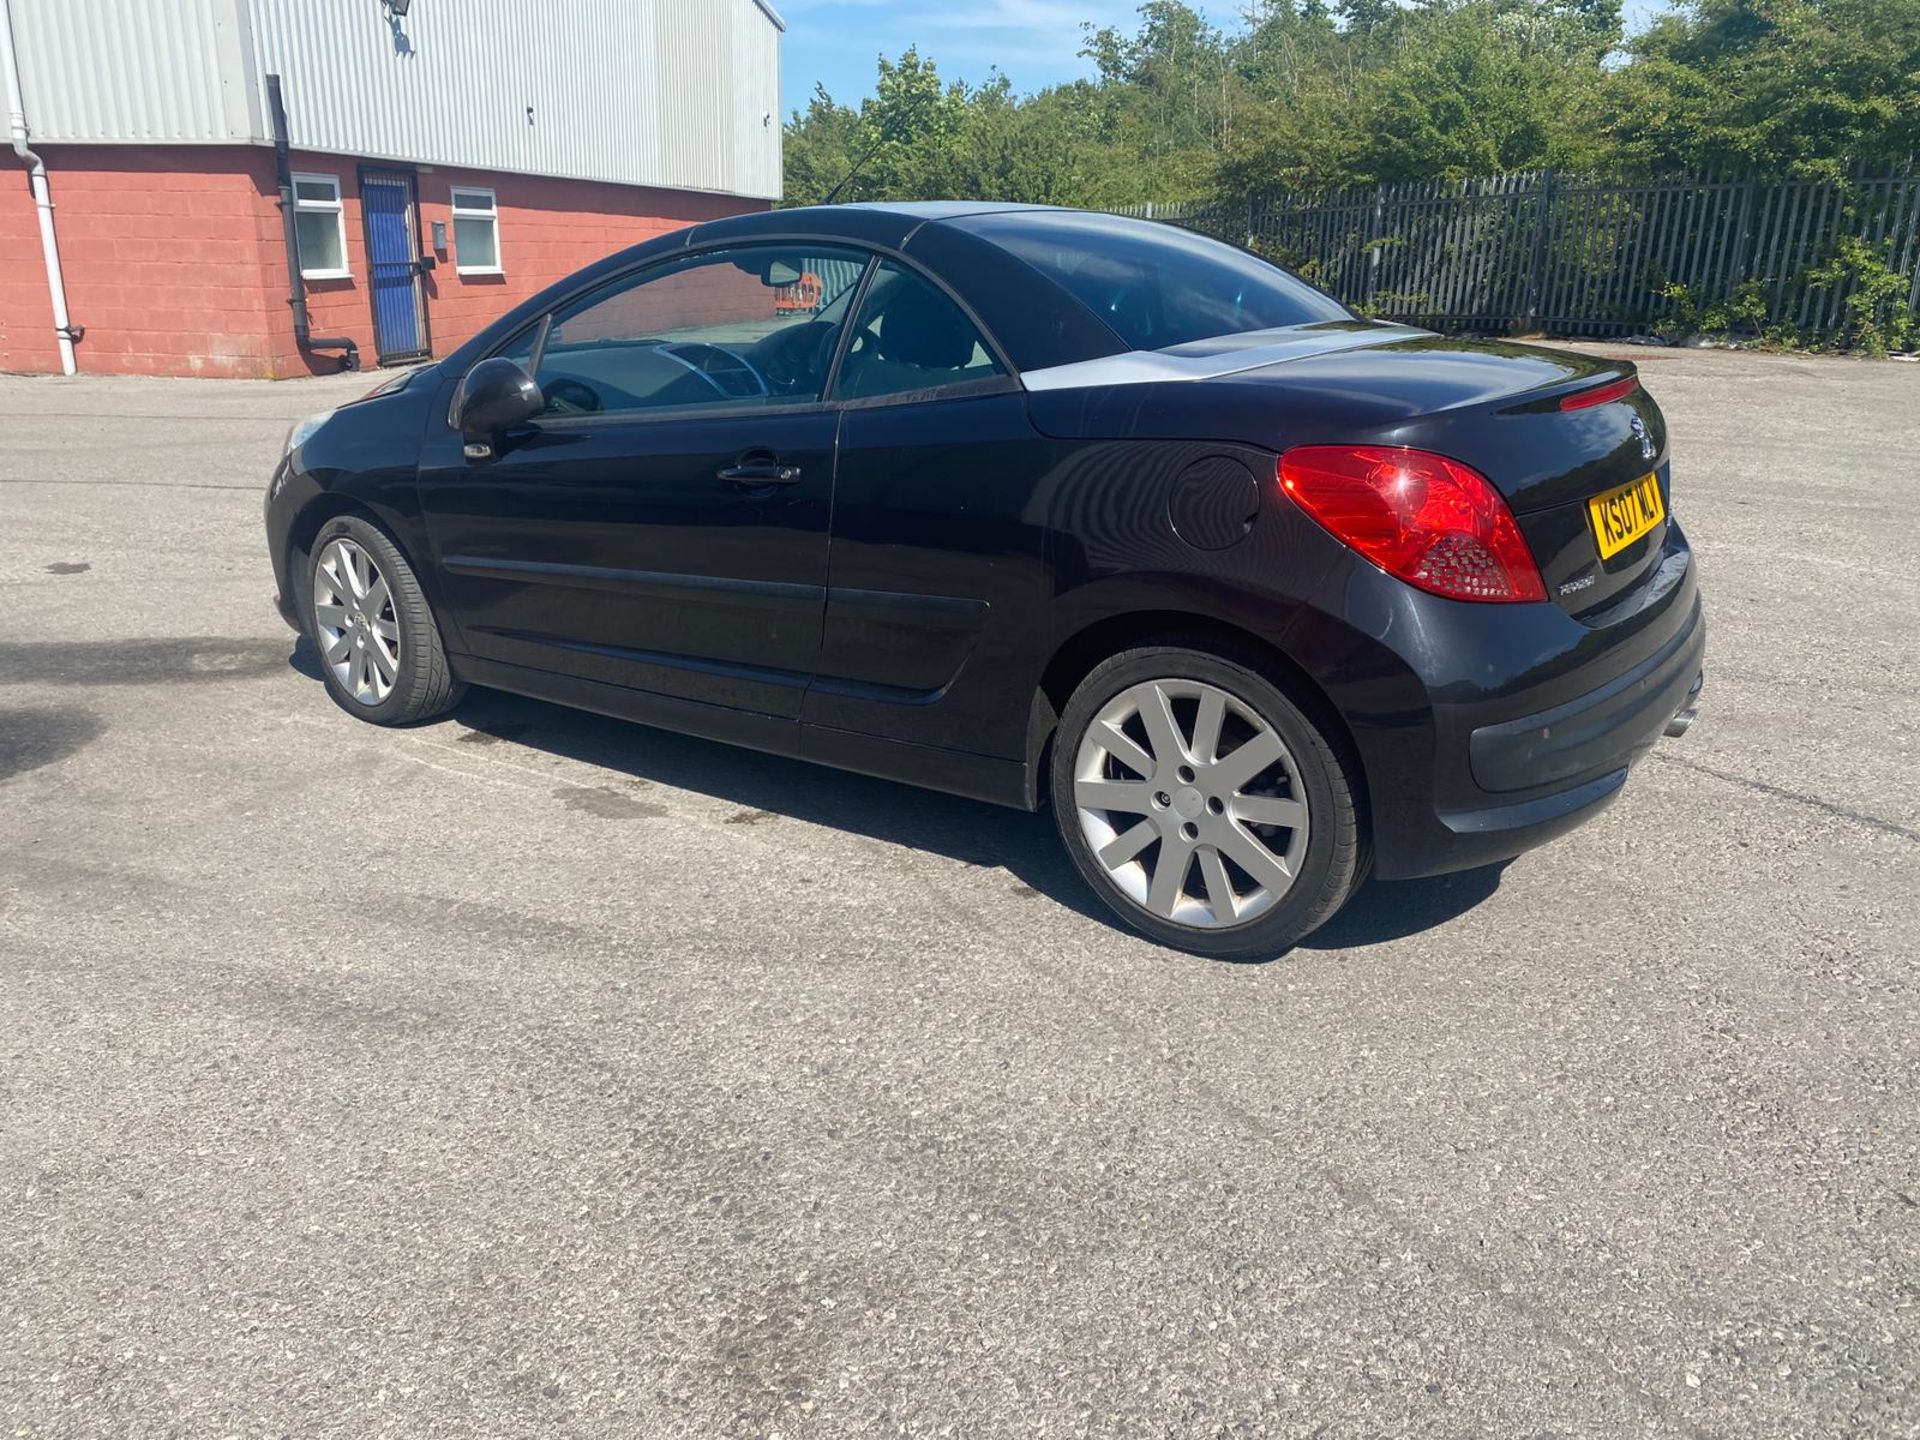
393	265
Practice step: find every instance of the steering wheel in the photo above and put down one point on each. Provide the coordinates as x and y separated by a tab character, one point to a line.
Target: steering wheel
796	358
717	365
739	363
567	396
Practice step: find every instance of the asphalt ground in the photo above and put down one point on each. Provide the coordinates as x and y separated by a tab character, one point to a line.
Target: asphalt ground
527	1072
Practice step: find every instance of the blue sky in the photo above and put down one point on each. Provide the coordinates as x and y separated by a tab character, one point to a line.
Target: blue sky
1035	43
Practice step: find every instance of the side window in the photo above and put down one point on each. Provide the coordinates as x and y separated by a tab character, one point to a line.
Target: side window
752	326
320	227
476	232
909	336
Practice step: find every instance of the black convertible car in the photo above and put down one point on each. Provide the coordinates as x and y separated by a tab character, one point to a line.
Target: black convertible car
1035	506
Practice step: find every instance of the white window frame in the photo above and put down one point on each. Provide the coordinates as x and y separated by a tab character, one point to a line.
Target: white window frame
492	213
337	208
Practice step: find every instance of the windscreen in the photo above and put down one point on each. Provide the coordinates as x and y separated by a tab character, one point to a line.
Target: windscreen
1154	284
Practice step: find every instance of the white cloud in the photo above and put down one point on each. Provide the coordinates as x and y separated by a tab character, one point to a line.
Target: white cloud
1010	33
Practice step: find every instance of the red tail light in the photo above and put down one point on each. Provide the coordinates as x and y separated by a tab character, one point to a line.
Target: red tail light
1600	394
1425	519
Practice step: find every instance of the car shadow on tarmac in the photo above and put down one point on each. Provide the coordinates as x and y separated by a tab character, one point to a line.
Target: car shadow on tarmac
768	787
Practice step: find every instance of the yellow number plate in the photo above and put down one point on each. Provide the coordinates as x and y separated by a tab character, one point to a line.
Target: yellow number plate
1622	516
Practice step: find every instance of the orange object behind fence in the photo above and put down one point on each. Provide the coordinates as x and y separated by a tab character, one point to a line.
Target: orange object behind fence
802	295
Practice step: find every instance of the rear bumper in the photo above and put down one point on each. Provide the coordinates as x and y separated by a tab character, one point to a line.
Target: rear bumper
1485	731
1608	727
1558	752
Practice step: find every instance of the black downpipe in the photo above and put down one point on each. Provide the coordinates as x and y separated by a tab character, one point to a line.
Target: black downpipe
296	289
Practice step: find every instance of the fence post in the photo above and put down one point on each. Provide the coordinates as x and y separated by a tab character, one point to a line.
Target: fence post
1913	291
1375	237
1250	220
1747	246
1537	266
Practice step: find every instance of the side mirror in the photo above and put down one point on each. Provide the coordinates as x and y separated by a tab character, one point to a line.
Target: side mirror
498	396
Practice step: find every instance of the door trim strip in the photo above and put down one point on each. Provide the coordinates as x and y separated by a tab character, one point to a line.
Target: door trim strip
654	583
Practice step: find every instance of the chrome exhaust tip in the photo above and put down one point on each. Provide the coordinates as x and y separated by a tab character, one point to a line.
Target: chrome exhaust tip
1689	710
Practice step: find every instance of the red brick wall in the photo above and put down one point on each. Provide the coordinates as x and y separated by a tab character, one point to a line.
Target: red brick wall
548	229
26	315
165	263
175	262
711	294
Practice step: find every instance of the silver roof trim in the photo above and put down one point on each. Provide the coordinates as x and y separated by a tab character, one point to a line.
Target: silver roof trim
1207	359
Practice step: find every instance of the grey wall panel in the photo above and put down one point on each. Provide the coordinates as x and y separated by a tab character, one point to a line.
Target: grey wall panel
694	40
134	70
633	91
756	100
640	92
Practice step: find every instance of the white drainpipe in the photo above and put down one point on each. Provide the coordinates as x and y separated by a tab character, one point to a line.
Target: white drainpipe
42	198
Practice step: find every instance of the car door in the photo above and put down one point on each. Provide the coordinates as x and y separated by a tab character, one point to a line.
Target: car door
662	524
938	574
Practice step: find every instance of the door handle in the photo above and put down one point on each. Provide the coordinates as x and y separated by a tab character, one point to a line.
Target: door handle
760	472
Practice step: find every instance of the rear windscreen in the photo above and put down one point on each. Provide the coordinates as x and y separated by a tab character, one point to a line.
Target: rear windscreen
1155	285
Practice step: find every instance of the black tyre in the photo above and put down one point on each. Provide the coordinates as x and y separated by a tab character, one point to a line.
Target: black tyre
1203	805
379	646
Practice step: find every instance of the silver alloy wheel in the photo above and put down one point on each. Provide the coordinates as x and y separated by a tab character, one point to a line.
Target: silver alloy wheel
355	622
1151	783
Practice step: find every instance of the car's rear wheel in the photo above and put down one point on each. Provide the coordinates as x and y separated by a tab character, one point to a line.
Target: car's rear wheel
380	648
1202	804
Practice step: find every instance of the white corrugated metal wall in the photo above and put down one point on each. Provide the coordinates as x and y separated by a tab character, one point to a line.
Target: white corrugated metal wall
134	71
756	100
678	93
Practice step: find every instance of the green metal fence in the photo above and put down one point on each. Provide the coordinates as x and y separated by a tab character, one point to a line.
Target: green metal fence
1571	256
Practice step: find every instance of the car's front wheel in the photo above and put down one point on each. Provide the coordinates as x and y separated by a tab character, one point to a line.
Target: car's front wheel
1202	804
380	648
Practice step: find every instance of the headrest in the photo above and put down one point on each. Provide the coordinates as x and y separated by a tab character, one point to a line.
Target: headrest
920	326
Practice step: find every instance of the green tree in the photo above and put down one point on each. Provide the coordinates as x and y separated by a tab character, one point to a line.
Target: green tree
1780	86
898	145
1332	93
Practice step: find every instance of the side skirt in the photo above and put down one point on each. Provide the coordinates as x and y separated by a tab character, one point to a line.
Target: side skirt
977	777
